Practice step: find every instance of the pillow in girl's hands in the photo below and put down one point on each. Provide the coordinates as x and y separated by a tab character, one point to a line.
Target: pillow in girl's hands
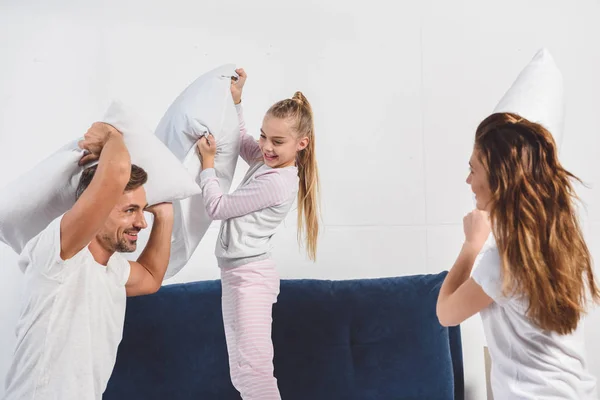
537	95
205	106
29	203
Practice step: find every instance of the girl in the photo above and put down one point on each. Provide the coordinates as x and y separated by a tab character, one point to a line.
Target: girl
533	278
282	167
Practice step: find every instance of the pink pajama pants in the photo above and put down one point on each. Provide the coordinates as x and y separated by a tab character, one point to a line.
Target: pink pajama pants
249	292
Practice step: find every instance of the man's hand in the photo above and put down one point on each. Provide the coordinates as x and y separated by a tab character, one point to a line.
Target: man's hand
161	210
94	141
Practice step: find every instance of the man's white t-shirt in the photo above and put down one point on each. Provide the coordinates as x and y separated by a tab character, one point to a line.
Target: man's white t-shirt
71	323
527	362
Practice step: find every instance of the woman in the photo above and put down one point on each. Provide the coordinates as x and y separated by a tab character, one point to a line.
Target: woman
534	278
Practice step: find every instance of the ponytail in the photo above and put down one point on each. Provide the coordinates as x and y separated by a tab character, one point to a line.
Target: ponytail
298	108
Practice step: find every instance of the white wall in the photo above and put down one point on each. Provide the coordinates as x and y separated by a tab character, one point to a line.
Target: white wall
397	93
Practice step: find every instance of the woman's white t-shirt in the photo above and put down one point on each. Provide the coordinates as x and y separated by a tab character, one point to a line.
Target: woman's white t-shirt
527	362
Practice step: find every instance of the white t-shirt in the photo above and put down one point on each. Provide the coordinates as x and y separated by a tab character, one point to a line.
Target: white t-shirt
527	362
71	323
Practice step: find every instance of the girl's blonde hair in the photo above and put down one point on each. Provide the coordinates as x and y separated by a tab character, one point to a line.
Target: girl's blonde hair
298	109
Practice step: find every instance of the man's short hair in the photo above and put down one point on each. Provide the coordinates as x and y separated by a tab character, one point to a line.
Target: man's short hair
138	178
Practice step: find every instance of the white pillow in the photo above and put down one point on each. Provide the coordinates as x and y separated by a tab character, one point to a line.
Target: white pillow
31	202
204	106
168	179
538	95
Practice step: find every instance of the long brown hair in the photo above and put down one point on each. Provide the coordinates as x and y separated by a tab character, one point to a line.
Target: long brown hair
534	221
298	109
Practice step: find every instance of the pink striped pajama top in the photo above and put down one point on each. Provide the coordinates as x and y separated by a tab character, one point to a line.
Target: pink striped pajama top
252	213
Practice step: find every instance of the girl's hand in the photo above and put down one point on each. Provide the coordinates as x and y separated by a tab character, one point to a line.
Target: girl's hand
207	147
238	85
477	229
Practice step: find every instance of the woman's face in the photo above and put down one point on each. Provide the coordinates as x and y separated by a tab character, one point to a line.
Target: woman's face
479	181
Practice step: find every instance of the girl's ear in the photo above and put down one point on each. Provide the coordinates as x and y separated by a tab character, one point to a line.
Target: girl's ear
302	144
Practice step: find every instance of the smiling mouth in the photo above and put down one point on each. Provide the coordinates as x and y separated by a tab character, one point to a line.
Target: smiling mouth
132	236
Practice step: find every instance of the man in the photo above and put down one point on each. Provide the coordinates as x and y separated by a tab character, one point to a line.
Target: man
77	282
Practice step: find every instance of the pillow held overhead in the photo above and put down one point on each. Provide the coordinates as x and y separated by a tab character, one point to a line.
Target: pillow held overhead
29	203
537	94
204	106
